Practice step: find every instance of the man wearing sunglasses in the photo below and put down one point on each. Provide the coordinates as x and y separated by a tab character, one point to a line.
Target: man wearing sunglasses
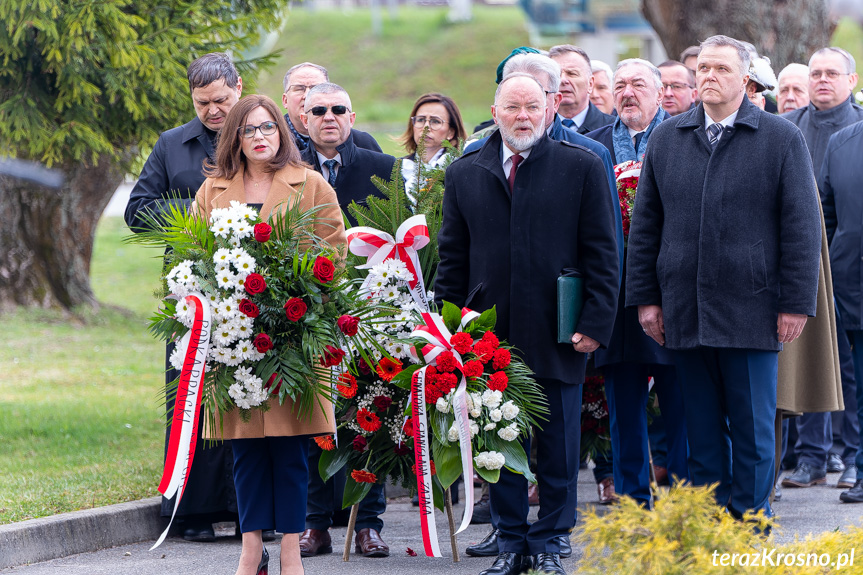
297	83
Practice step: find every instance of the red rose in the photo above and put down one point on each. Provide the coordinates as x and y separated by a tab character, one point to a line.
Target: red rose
360	443
498	381
382	402
473	368
324	269
274	390
490	338
446	362
461	342
364	367
249	308
255	283
262	232
263	343
401	449
501	359
332	356
295	308
348	324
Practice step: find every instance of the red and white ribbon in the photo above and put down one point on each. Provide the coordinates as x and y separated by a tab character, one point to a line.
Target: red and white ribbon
184	422
436	333
379	246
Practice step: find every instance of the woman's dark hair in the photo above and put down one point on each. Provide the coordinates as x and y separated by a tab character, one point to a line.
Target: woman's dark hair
455	122
229	152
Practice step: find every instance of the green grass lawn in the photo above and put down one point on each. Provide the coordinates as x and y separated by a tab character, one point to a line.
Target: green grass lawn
82	423
418	52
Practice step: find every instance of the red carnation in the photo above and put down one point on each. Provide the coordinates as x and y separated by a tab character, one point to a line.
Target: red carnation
368	420
388	368
363	476
262	232
360	443
408	427
446	362
255	283
295	308
484	351
433	393
324	269
490	338
498	381
461	342
446	382
348	324
501	359
263	343
332	356
347	386
382	402
249	308
473	368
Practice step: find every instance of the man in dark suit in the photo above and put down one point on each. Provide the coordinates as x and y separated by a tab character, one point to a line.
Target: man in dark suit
722	263
517	213
172	175
328	118
632	357
297	83
576	84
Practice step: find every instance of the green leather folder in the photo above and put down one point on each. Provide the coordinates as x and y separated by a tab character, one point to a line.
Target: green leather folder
570	287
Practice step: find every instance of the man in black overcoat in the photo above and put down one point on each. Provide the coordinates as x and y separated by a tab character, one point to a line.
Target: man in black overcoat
518	213
722	263
172	175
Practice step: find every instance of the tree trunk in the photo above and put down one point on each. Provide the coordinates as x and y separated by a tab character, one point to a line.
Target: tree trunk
784	30
47	236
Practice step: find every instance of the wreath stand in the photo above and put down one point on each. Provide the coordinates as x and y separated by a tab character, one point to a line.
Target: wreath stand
453	539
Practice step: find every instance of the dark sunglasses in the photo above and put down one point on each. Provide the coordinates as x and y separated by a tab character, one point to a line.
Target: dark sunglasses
321	110
267	129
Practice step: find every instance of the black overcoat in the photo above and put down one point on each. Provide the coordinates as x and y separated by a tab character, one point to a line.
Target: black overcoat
354	175
594	119
507	250
725	241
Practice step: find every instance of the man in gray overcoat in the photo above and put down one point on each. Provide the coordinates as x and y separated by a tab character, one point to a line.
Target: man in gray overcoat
722	264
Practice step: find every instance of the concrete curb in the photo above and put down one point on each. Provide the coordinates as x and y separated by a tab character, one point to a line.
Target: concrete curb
80	532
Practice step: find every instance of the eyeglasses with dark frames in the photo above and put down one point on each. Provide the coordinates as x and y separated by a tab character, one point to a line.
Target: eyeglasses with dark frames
266	128
433	121
321	110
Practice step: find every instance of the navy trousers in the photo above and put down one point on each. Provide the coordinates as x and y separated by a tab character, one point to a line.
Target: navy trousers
730	403
326	496
846	430
856	339
271	475
627	393
557	461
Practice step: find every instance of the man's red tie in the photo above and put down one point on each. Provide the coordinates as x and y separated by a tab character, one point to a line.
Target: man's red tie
516	160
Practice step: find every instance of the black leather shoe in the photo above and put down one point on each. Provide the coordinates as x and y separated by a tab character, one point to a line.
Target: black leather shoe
548	563
565	546
835	463
505	564
268	534
200	533
805	476
853	495
487	547
848	477
481	512
264	565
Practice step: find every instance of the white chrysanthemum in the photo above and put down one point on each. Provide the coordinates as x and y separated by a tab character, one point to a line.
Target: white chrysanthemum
222	258
255	355
242	229
234	358
452	434
176	359
213	299
243	403
491	399
194	284
399	350
234	242
220	228
220	354
508	433
489	426
236	391
185	313
474	429
245	349
510	410
242	330
228	307
442	405
390	293
225	279
490	460
243	373
225	336
244	263
177	288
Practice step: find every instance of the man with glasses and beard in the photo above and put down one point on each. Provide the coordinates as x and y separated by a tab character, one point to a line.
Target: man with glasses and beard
328	118
519	212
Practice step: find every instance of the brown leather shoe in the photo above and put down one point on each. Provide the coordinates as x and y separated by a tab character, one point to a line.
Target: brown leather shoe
315	542
605	488
661	474
532	494
370	544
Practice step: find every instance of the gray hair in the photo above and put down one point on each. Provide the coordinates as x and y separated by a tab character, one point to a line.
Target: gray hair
794	68
516	75
210	68
850	64
327	88
600	66
535	65
287	80
654	71
721	40
562	49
